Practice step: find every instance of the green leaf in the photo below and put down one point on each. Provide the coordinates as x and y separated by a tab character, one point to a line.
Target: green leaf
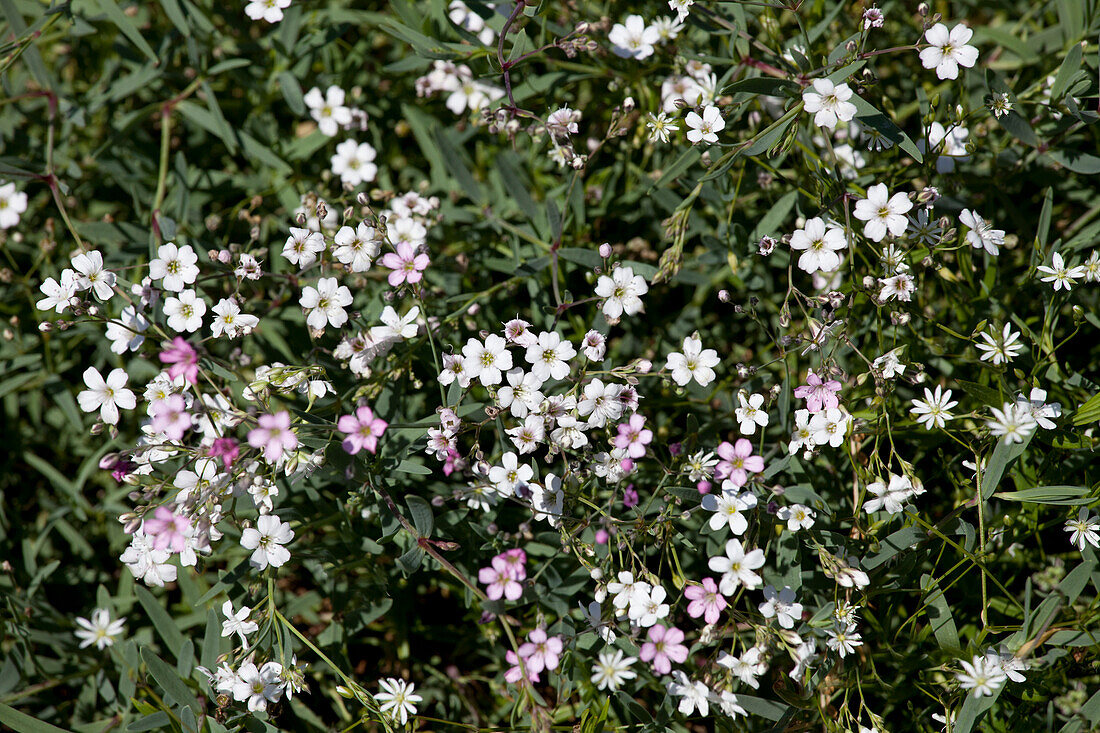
513	182
762	85
292	92
175	14
1057	495
939	614
31	54
422	516
410	561
1076	161
417	468
972	709
871	117
122	21
903	539
1043	231
585	257
686	159
1087	412
1003	455
23	723
167	678
162	622
1069	69
454	163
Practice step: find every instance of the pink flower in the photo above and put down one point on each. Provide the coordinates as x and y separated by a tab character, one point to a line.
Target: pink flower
663	647
170	416
633	436
514	673
184	360
630	497
168	529
453	462
499	580
406	264
363	430
515	563
704	487
274	436
541	651
706	601
225	448
737	461
820	395
602	536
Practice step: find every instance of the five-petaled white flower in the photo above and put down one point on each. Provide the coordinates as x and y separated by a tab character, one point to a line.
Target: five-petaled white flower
622	291
328	110
883	213
237	622
737	567
633	39
174	266
185	311
982	235
91	274
819	246
694	363
354	162
325	303
266	540
1084	529
106	395
705	127
949	50
829	103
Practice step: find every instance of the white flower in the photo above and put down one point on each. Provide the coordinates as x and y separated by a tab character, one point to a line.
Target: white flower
522	394
600	403
1003	350
954	145
980	677
728	508
819	246
797	516
396	328
982	234
547	500
899	286
682	8
646	609
633	38
747	667
325	303
549	357
146	563
694	363
461	15
594	346
328	110
174	266
303	246
883	213
230	321
126	333
704	128
101	630
12	204
622	291
829	426
269	10
737	567
889	364
354	162
266	540
750	413
258	686
948	50
1059	274
843	641
625	588
661	126
397	698
1037	405
357	247
1084	529
59	295
91	275
185	311
612	669
485	361
106	395
932	411
511	477
693	694
829	103
238	623
890	497
781	605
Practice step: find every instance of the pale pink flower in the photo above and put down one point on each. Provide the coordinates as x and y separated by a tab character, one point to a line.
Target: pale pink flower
663	647
183	358
541	651
497	576
274	436
706	601
363	430
633	436
407	266
167	529
170	416
819	394
737	461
